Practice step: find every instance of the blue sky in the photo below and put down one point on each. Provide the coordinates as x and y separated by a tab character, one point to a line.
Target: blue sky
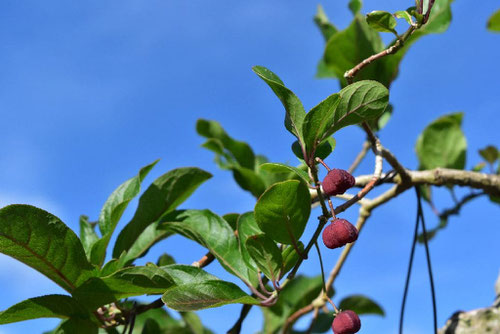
91	91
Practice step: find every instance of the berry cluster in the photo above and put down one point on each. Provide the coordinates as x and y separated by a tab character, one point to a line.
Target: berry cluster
339	233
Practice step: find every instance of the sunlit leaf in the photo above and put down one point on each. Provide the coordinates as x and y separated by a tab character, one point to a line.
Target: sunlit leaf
318	122
442	143
214	233
295	112
266	255
162	196
355	6
198	296
381	21
325	26
282	168
283	210
247	226
43	242
128	282
49	306
362	101
403	14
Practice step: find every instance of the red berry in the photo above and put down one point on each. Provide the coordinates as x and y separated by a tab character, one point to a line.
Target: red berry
339	233
337	181
346	322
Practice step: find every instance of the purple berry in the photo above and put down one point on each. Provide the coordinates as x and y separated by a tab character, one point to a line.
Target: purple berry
346	322
337	181
339	233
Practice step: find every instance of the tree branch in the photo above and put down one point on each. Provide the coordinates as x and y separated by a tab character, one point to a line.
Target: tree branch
359	158
490	183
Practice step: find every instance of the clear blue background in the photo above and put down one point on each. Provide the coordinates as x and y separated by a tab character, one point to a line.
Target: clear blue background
91	91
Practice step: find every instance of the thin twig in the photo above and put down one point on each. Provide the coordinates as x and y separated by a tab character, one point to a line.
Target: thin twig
291	320
245	309
359	158
489	183
204	261
456	209
370	185
313	320
349	75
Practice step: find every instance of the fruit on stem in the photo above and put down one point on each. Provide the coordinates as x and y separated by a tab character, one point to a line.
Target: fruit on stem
339	233
346	322
337	181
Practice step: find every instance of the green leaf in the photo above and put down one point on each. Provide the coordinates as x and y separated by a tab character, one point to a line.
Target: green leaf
43	242
232	219
479	167
266	255
283	168
151	326
361	305
215	234
439	21
249	180
241	151
193	322
164	260
283	210
113	209
233	155
323	323
381	21
290	257
162	196
247	226
295	112
270	177
495	199
355	6
489	153
128	282
349	47
403	14
361	101
153	234
325	26
326	148
117	202
494	22
442	143
113	265
88	236
49	306
76	326
198	296
161	318
183	274
317	123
